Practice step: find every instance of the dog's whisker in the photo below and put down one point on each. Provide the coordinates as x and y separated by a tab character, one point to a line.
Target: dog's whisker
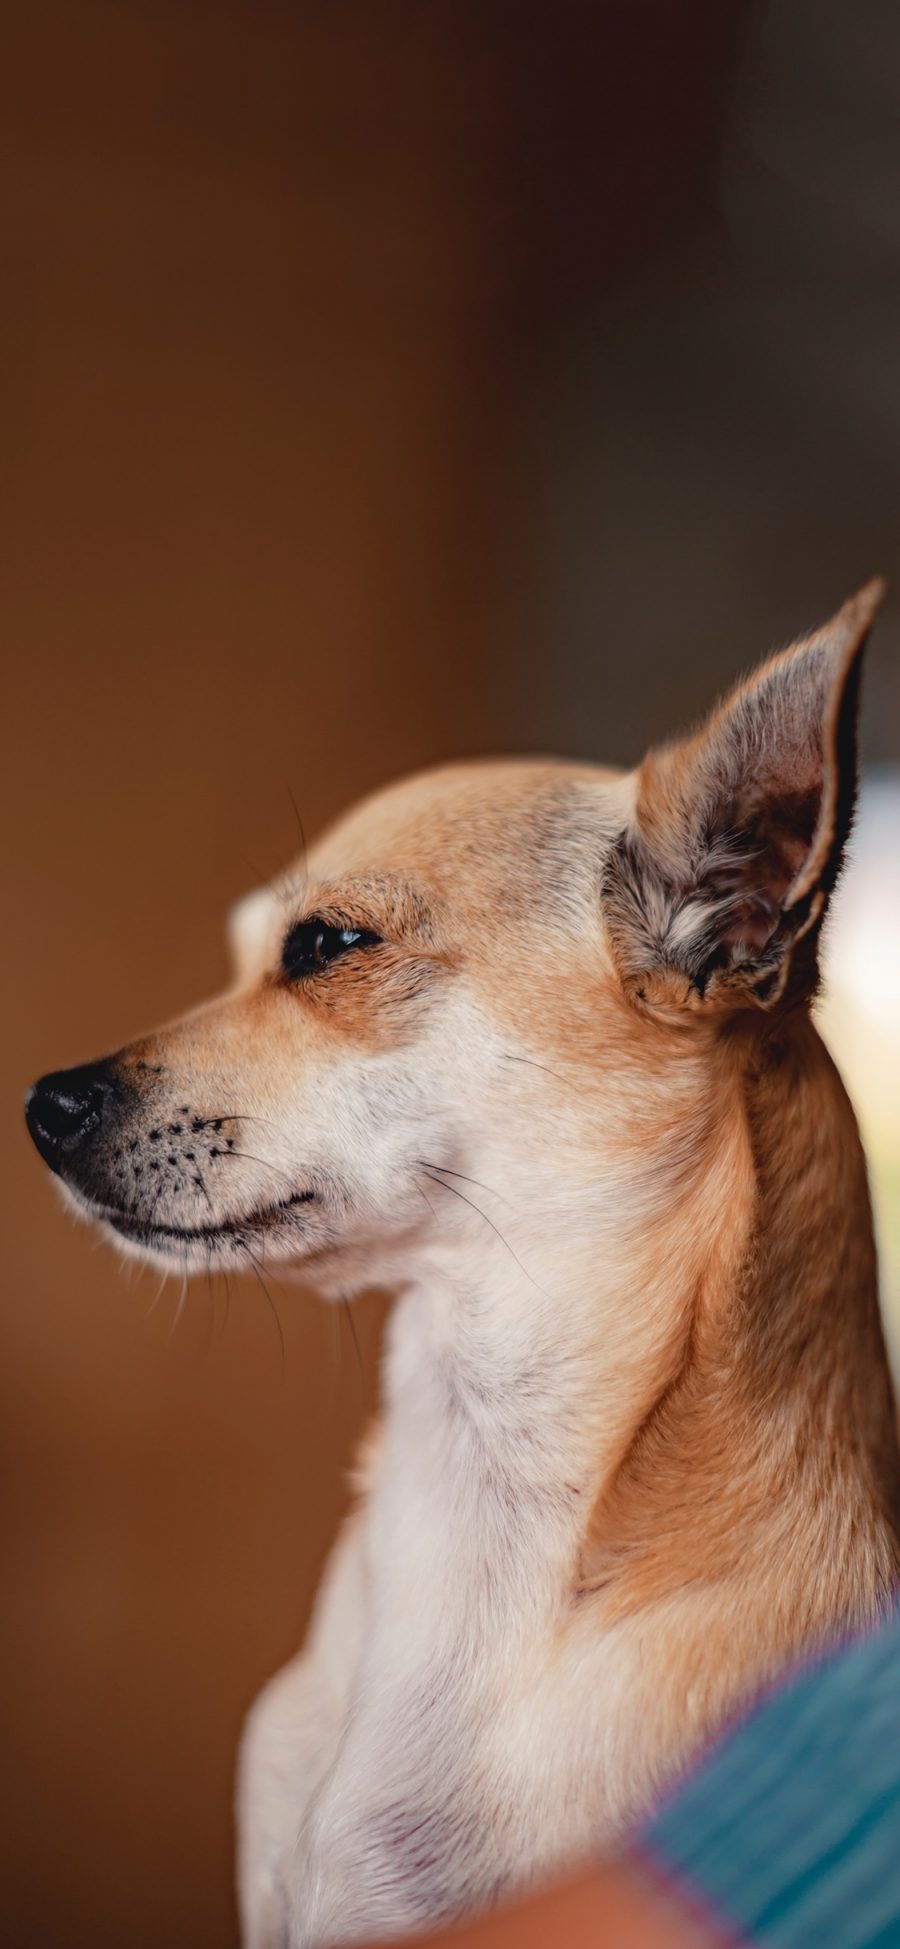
353	1334
272	1306
568	1082
210	1288
336	1353
300	829
494	1228
157	1296
230	1116
247	1156
283	894
425	1197
445	1171
181	1304
200	1182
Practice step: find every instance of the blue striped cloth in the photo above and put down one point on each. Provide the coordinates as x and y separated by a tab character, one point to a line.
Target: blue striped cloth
790	1832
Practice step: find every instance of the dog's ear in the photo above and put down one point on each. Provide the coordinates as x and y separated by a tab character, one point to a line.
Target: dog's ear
715	893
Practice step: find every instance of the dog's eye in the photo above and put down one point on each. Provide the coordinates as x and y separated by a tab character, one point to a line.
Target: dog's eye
313	943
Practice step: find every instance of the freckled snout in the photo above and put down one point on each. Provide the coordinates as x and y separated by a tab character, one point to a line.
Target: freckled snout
66	1111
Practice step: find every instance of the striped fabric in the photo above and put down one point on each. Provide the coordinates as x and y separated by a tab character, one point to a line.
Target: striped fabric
790	1833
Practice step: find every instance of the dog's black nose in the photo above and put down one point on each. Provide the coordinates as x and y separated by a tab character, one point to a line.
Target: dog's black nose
64	1110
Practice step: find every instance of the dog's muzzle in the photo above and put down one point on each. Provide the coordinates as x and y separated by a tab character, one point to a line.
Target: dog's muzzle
66	1110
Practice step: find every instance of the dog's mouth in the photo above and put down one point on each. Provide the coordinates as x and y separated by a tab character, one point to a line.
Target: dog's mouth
179	1240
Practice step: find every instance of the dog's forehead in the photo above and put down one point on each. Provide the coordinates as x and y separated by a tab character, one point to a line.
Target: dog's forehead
506	834
477	817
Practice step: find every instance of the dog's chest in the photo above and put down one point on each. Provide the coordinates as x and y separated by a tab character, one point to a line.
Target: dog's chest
447	1794
472	1753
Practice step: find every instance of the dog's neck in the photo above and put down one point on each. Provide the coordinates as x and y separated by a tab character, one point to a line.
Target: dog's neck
779	1419
712	1354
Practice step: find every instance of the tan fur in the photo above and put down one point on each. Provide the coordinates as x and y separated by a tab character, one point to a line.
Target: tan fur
778	1418
638	1448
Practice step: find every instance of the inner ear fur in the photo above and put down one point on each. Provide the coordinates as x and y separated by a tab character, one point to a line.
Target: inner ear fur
715	893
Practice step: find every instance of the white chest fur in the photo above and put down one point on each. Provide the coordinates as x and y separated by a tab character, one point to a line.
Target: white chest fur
445	1795
474	1710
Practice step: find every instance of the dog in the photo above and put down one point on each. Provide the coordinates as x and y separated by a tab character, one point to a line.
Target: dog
530	1044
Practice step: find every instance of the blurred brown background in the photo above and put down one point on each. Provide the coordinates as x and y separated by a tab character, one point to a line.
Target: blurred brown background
380	383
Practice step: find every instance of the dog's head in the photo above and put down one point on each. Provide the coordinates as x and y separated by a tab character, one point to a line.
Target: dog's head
484	982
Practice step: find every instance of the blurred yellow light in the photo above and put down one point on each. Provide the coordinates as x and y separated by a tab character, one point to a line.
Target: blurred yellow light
859	1014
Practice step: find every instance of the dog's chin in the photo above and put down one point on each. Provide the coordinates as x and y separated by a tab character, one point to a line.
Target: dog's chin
270	1232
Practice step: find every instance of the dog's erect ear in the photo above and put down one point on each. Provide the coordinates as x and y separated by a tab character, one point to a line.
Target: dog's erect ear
715	893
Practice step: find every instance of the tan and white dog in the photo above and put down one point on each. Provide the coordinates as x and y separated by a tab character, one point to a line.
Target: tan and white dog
530	1043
